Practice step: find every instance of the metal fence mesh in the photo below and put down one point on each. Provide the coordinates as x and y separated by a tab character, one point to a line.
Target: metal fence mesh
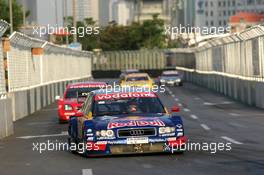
26	70
121	60
3	27
241	54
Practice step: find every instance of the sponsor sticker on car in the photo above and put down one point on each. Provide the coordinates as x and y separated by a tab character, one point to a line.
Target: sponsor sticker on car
137	140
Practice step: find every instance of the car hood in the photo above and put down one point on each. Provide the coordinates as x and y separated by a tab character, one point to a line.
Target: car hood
110	122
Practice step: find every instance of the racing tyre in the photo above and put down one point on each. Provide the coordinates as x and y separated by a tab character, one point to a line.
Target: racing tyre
70	142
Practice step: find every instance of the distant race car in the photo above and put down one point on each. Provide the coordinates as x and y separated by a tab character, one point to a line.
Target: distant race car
127	72
73	98
171	78
125	123
137	79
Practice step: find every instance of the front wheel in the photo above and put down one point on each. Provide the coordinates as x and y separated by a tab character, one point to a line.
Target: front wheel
73	145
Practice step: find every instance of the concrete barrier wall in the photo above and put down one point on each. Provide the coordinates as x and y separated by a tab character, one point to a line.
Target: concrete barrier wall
6	121
20	104
246	91
29	101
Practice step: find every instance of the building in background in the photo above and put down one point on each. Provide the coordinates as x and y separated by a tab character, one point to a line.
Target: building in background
123	12
87	9
189	12
145	9
44	12
105	12
216	13
244	20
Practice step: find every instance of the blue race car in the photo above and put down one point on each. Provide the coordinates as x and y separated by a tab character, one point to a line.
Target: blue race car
125	122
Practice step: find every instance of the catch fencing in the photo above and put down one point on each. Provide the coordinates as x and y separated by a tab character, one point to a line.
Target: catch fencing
232	65
121	60
3	27
51	63
239	55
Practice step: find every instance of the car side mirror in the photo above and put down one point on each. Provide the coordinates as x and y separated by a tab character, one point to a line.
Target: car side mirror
57	97
175	109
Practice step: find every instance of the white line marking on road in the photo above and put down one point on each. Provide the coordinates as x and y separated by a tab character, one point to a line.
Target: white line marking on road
197	98
231	140
176	99
179	104
234	114
194	117
186	109
87	172
227	102
238	125
64	133
205	127
209	104
147	166
173	95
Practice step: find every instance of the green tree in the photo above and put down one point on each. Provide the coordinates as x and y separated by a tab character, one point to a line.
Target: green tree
17	13
153	33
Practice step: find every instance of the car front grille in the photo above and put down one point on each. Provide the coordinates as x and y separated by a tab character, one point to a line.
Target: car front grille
136	132
139	148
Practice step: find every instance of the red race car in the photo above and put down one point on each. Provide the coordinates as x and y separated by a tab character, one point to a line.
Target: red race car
73	98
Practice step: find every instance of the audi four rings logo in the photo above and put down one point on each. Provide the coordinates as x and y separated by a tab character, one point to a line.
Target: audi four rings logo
136	132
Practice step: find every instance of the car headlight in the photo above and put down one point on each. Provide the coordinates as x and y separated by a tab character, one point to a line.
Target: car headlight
178	80
68	107
166	130
105	133
179	134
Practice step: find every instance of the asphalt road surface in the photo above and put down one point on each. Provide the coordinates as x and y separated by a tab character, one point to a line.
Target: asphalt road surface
208	118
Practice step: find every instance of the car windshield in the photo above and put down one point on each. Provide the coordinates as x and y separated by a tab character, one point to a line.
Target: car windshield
170	75
79	92
137	78
136	105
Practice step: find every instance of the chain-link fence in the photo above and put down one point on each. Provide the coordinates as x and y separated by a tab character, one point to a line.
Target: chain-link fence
65	64
121	60
237	55
26	70
3	27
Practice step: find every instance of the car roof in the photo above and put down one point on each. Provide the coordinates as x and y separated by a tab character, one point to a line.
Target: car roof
170	72
87	83
137	75
122	90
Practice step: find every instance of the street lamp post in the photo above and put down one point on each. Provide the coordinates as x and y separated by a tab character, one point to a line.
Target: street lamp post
11	16
74	19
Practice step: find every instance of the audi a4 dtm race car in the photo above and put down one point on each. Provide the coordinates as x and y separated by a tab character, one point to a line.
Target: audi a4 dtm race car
73	98
121	122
